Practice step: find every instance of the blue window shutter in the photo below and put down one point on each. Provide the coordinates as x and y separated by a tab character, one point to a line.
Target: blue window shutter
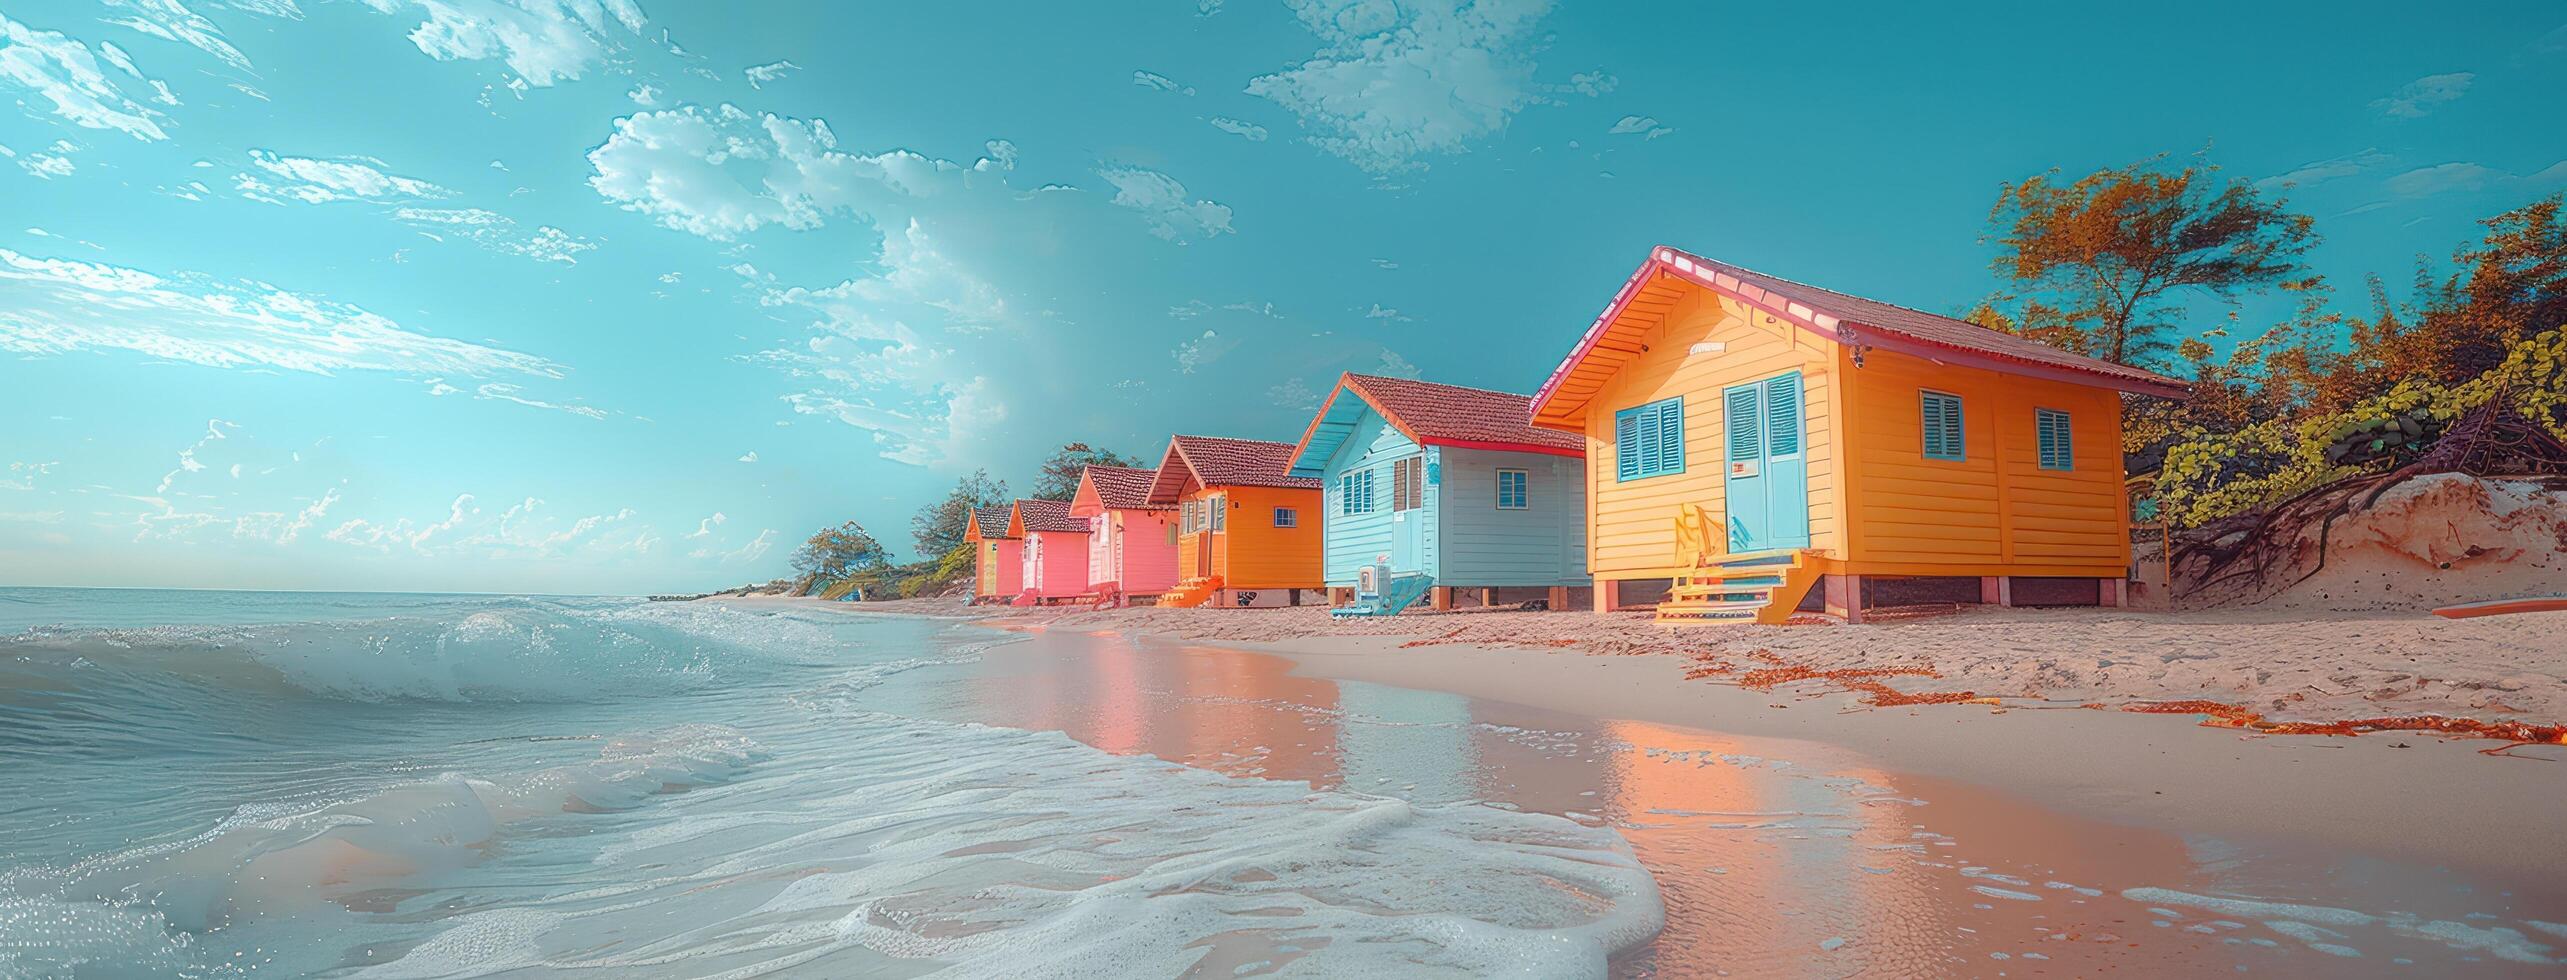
1952	429
1941	418
1782	415
1746	431
1626	444
1671	436
2057	451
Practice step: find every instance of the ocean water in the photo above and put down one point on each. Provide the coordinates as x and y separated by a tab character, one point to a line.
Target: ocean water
243	784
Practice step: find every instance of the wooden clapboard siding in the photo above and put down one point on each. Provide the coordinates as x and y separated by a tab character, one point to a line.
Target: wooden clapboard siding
1055	563
1354	540
1995	507
1478	545
998	568
1631	525
1250	552
1147	562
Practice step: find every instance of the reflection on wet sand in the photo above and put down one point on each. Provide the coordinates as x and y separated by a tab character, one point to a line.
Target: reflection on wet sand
1781	858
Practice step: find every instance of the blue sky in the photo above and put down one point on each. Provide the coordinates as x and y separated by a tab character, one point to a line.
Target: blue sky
623	295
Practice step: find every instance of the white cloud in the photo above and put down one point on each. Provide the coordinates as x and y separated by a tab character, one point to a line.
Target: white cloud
1380	312
2321	171
2417	98
1162	203
53	306
22	476
755	549
866	364
2442	178
1395	82
645	95
749	457
721	172
1645	127
706	526
1395	366
187	461
542	41
62	72
914	270
171	20
501	391
1253	132
760	75
47	166
1198	351
1158	82
1593	83
314	181
520	532
497	232
1294	394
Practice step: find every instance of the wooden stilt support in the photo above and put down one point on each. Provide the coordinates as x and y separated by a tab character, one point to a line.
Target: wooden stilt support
1488	597
1997	590
1559	598
1608	595
1442	597
1844	596
2109	590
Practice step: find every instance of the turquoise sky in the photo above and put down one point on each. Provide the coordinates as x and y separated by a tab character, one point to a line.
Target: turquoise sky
622	295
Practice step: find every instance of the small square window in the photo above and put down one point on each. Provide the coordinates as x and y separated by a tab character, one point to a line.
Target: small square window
1220	512
1512	489
1287	517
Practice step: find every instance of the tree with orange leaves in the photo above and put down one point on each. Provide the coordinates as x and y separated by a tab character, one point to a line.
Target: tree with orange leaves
2100	264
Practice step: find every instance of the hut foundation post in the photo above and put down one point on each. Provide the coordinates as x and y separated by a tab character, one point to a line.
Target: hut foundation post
1997	590
1844	596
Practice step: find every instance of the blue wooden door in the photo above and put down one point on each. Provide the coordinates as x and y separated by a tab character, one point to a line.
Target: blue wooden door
1768	472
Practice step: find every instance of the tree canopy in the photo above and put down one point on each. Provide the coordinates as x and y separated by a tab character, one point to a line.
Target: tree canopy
2099	265
835	553
938	528
1058	479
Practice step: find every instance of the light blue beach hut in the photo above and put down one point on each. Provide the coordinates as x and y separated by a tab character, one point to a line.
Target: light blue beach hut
1444	488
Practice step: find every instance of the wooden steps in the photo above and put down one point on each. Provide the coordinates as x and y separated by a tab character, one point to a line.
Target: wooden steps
1402	591
1753	587
1192	592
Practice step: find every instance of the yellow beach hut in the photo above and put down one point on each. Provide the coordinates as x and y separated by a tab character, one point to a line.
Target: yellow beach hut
998	570
1750	438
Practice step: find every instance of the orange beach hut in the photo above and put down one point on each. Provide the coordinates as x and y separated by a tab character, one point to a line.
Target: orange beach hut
998	565
1750	438
1248	531
1055	551
1131	542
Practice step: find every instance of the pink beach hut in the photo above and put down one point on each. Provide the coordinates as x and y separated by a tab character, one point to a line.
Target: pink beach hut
1055	551
1131	543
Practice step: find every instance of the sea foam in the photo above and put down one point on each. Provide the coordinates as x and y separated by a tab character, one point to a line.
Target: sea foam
997	852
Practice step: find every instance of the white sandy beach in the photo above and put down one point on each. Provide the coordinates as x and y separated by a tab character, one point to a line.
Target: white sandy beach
2430	797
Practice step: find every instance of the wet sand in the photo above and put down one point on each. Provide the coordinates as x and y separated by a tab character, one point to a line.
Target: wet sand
1929	843
2433	800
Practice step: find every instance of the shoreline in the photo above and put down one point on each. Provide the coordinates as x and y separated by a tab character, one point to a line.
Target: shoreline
2428	799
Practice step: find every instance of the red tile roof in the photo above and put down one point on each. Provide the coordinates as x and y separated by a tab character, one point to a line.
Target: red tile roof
1846	319
990	523
1211	461
1122	486
1451	415
1045	515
